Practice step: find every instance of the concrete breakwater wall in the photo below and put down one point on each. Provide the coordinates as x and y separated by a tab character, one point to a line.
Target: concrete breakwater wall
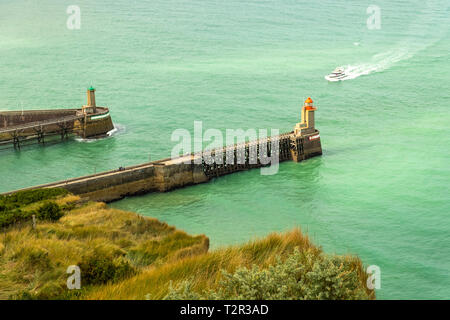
167	174
17	118
151	177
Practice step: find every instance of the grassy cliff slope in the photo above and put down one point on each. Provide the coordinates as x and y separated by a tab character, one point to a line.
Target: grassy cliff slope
122	255
109	245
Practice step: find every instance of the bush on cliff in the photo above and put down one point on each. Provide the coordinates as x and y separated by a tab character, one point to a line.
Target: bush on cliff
23	198
50	211
18	207
11	217
99	269
302	276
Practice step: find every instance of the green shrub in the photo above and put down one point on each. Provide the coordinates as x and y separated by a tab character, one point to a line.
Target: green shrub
8	218
11	206
98	269
49	211
302	276
22	198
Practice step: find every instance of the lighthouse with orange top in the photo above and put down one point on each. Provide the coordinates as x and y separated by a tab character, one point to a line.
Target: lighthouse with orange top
306	124
305	142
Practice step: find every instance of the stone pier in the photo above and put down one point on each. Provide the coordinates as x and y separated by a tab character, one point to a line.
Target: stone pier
18	128
167	174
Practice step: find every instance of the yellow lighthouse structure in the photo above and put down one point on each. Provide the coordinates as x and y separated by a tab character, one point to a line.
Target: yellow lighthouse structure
91	106
305	141
306	124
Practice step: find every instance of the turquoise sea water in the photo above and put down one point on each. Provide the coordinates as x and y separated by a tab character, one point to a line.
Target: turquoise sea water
381	188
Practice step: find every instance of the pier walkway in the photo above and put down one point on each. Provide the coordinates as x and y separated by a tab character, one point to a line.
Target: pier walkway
36	125
38	130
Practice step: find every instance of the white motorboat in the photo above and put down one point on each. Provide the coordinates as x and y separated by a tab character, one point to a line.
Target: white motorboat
337	75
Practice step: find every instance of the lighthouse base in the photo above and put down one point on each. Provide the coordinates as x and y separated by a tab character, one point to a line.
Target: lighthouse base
306	146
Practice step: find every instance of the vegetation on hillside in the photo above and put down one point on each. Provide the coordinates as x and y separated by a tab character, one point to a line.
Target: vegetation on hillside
108	245
279	266
21	206
122	255
304	275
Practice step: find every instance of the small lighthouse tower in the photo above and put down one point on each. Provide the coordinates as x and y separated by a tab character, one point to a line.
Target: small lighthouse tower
91	106
306	124
305	140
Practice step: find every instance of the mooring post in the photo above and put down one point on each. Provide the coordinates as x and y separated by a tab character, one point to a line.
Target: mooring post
16	140
40	133
64	130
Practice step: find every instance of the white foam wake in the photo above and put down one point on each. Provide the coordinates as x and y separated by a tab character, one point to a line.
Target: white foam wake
378	63
424	26
381	61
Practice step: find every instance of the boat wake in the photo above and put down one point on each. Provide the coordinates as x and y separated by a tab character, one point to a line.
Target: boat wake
380	62
424	27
